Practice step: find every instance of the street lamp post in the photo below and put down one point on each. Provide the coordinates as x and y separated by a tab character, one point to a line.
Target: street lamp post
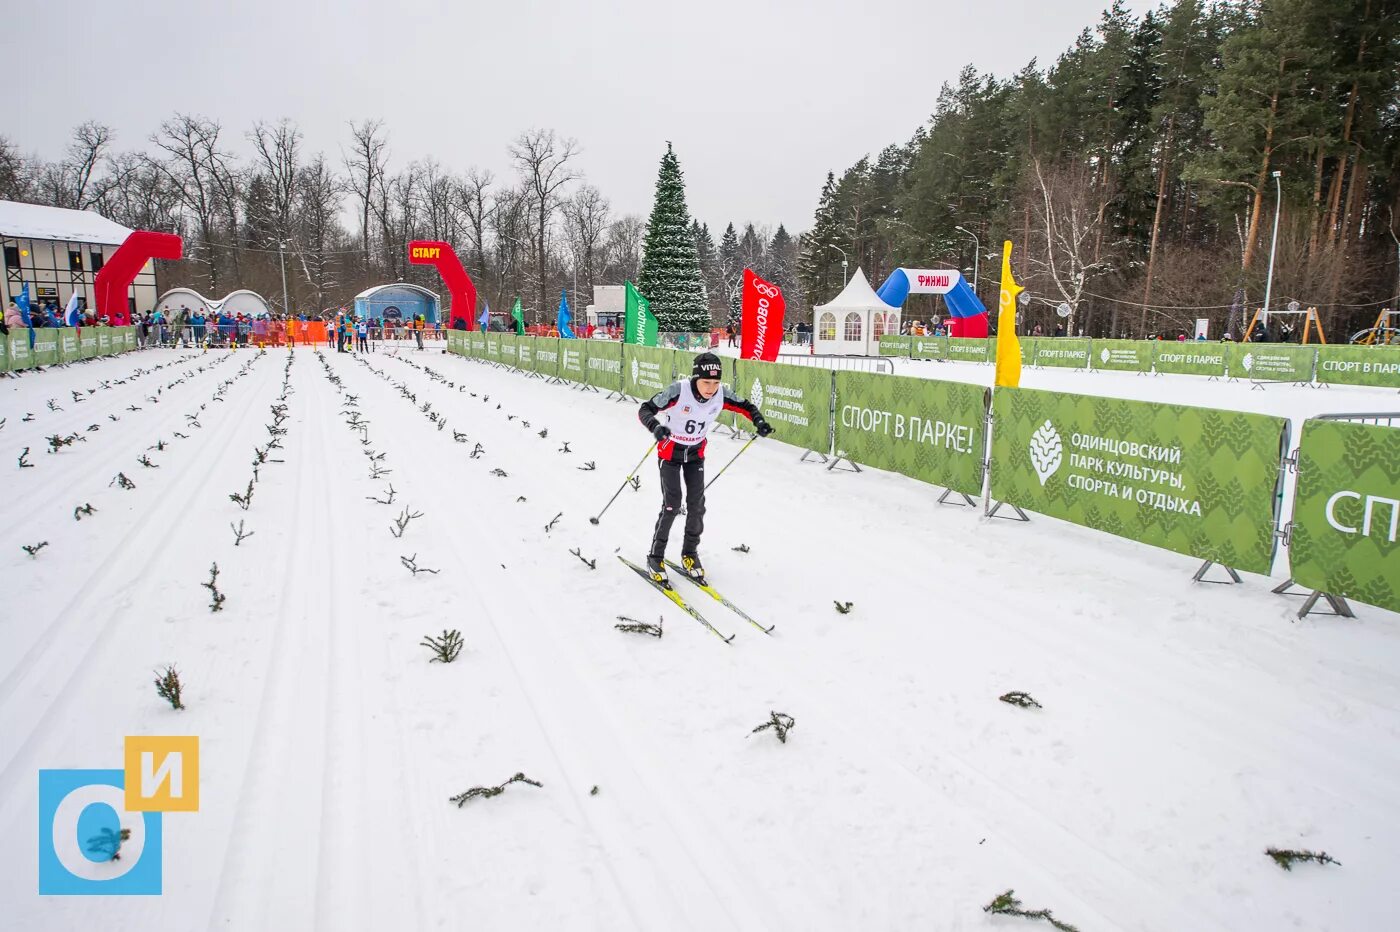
976	255
843	262
281	259
1273	246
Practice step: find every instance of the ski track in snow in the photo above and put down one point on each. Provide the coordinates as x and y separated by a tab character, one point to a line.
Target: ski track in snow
1185	728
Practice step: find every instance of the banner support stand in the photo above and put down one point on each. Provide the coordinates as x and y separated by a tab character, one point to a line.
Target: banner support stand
807	453
1020	515
1339	605
837	458
967	499
1200	575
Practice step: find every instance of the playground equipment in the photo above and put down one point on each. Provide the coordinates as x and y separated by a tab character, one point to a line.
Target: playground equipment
1385	331
1293	310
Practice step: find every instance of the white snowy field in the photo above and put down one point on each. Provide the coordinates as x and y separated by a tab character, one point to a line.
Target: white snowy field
1185	727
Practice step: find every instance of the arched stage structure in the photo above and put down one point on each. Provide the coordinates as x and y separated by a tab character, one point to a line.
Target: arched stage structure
398	301
967	316
242	301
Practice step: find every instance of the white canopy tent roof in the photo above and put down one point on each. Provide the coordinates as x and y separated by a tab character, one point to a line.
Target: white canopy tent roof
19	220
852	322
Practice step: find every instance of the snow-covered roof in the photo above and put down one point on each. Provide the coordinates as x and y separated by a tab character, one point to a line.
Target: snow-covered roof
857	296
35	221
371	292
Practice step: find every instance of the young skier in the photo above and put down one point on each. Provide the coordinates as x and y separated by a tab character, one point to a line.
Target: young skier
691	407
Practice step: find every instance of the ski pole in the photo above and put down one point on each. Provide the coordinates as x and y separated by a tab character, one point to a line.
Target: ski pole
731	462
629	478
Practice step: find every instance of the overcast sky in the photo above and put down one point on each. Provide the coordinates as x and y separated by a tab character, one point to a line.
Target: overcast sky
761	99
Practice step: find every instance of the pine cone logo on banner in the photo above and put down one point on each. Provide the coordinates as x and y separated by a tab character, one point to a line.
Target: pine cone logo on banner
635	369
756	394
1247	361
1046	451
1104	354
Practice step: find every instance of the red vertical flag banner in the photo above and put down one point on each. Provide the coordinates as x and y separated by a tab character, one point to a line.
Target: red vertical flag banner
459	284
762	306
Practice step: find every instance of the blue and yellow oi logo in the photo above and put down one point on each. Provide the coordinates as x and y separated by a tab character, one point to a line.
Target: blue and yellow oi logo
100	830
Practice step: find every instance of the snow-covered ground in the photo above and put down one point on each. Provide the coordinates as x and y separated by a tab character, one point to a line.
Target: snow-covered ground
1185	727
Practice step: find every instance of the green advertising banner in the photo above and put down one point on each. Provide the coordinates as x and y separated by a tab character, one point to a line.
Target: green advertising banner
796	400
454	342
105	343
646	370
525	352
1057	352
128	337
509	347
1189	357
68	350
969	349
1196	481
1346	512
1122	355
1272	362
476	344
5	350
603	363
894	345
1359	365
493	346
928	347
46	346
547	356
925	429
19	353
573	360
87	343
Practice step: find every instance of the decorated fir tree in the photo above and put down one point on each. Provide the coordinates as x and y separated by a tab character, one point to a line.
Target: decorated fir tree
670	277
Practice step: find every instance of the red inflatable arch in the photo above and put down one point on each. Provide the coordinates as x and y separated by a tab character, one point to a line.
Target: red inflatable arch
458	282
117	274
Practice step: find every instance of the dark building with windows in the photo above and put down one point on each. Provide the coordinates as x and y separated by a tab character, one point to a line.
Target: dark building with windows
59	251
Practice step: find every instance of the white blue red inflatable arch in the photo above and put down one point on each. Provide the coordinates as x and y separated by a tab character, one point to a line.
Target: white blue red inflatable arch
967	317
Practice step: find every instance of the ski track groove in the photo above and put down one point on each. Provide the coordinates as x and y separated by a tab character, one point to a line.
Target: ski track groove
683	829
36	666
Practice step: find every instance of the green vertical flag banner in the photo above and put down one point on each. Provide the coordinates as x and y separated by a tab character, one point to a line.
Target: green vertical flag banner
1196	481
517	314
639	326
925	429
1346	512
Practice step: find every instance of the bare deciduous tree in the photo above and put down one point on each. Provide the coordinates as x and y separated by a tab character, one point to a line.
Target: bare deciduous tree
542	159
1070	213
585	221
193	165
369	151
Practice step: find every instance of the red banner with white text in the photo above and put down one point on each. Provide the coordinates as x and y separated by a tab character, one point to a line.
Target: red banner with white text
761	331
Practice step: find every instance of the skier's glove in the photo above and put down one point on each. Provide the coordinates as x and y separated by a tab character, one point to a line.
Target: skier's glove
661	433
763	427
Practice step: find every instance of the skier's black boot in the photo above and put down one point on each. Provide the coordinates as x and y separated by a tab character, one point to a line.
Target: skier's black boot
690	562
657	567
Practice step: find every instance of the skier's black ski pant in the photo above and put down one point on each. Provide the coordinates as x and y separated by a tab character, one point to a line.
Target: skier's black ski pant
694	472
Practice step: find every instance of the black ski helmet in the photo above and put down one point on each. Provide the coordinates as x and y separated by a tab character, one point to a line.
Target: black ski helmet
707	366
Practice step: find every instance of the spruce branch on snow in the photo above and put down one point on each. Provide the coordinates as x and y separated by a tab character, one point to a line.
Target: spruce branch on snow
781	724
486	792
478	451
384	501
122	481
412	564
216	597
57	443
376	471
83	509
146	461
458	436
498	471
565	448
182	436
552	522
168	686
636	483
445	648
845	607
742	548
588	466
544	433
244	500
1285	857
1007	905
634	626
239	535
401	522
33	549
22	463
591	564
1021	699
